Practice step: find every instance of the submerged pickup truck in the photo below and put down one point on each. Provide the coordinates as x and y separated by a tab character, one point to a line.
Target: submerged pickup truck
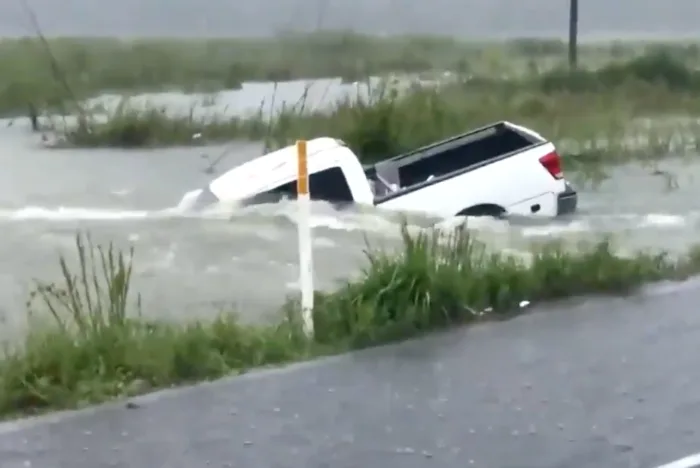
496	170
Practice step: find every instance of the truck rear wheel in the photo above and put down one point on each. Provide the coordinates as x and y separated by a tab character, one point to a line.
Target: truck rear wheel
493	211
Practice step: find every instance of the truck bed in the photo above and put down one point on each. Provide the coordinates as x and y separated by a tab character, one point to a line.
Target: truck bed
446	158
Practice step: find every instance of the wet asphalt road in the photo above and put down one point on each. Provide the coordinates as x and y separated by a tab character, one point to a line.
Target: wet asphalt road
590	383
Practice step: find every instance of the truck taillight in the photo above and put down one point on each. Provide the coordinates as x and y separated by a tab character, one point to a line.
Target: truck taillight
552	162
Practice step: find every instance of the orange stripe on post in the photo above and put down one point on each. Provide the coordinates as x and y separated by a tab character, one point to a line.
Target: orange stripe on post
302	169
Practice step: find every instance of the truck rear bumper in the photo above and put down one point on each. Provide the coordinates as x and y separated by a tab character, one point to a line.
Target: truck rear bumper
567	201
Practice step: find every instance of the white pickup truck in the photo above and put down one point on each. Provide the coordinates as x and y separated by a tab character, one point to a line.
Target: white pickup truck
496	170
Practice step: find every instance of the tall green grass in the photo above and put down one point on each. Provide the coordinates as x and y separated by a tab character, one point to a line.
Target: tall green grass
89	342
595	117
130	127
93	65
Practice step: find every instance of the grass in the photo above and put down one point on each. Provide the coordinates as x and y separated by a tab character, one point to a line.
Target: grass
594	116
89	343
131	127
588	126
93	65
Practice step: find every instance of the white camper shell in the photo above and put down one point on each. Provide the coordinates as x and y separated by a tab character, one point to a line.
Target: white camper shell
495	170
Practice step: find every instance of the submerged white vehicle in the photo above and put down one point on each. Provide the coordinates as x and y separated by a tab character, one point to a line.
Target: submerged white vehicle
501	169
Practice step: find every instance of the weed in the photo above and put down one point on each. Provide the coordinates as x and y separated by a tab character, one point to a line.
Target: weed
600	122
88	341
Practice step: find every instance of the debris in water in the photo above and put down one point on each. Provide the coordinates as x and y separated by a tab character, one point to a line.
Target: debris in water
33	116
406	450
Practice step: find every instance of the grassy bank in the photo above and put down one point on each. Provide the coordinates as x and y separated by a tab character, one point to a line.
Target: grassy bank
594	116
92	65
88	343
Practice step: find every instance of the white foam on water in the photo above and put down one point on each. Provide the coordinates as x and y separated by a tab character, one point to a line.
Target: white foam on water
323	215
556	229
188	200
330	222
64	213
691	461
272	222
160	259
121	192
662	220
324	242
485	223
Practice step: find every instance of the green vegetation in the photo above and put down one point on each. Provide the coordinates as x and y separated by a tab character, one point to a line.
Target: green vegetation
593	116
129	127
31	72
35	73
87	341
598	114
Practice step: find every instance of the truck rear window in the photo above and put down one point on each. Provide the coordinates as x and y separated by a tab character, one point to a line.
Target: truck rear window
329	185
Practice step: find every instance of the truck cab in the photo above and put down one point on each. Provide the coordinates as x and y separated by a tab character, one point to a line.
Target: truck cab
335	175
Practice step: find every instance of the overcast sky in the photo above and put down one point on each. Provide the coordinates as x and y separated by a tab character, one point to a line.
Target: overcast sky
469	18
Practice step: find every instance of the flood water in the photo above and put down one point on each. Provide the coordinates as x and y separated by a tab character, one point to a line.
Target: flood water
189	266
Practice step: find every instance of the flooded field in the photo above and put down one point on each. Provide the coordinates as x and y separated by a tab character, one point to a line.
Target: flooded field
188	266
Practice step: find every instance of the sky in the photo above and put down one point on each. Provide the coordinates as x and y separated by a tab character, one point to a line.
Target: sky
599	19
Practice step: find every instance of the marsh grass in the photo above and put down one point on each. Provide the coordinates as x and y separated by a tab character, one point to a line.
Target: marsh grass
94	65
593	116
131	127
88	341
619	113
440	280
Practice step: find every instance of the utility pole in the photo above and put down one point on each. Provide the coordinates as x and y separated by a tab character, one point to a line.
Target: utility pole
573	34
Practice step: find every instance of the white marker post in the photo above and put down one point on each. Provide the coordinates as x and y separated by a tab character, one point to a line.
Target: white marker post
306	274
